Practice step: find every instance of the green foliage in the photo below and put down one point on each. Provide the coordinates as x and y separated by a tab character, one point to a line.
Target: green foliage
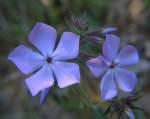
147	4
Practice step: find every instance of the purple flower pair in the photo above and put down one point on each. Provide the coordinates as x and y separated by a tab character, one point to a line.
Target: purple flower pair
112	65
48	61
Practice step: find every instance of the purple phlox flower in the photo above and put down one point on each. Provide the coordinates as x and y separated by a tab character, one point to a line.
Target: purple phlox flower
111	65
49	61
109	30
129	113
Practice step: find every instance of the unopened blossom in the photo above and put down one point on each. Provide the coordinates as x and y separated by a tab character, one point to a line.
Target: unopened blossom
112	64
49	61
129	113
109	30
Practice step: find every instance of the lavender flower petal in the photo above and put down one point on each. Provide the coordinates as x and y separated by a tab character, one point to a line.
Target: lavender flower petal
43	37
68	47
111	47
97	66
125	79
130	114
107	86
41	80
66	73
25	59
43	95
128	56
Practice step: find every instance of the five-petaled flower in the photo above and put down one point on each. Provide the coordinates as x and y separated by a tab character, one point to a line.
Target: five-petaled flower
111	65
49	61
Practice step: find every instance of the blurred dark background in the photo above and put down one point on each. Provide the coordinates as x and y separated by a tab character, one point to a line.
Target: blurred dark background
131	17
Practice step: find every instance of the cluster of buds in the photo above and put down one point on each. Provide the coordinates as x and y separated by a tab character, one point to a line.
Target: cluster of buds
123	106
79	24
